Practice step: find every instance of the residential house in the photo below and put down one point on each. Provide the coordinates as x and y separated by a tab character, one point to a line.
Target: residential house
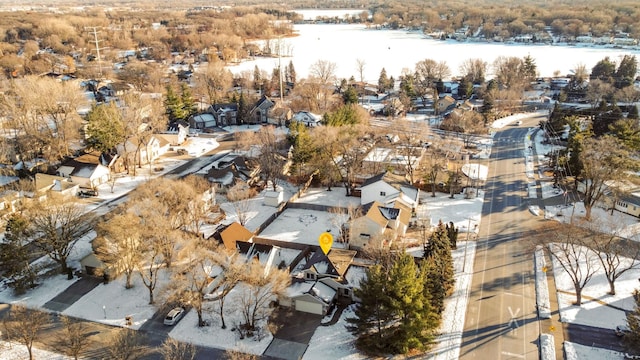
202	121
179	131
137	151
224	114
308	118
259	114
230	234
388	188
231	169
88	170
379	225
321	283
281	116
59	184
10	201
445	104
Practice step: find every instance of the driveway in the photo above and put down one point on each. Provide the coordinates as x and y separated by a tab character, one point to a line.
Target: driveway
295	331
73	293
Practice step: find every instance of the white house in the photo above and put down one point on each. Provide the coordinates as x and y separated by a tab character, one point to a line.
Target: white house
388	188
307	118
136	151
87	171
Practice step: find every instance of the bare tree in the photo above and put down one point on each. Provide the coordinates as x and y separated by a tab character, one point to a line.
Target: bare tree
427	73
434	163
240	196
120	244
271	162
616	255
127	344
475	70
194	276
233	268
323	73
173	349
599	167
360	65
597	91
61	223
260	287
24	325
215	81
73	339
565	244
344	148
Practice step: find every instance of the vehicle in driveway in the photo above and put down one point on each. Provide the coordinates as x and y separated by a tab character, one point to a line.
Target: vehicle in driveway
621	330
174	316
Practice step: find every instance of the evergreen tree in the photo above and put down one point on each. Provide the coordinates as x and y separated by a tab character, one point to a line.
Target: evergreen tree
407	299
373	314
395	314
626	72
187	101
173	104
15	256
632	339
105	128
243	110
452	233
442	270
290	73
350	96
257	78
604	70
383	81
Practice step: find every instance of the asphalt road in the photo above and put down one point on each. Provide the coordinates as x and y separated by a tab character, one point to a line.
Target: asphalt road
501	320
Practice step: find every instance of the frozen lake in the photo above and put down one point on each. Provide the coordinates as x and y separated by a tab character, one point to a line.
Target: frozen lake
398	50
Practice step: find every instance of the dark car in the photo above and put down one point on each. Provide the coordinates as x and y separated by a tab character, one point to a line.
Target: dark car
87	193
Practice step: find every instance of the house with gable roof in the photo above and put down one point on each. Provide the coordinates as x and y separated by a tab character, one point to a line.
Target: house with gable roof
388	188
308	118
259	114
88	170
379	225
230	234
321	283
224	115
137	151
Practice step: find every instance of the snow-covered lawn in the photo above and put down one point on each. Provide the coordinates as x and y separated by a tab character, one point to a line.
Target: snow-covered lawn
111	303
591	312
303	226
336	197
575	351
11	350
333	342
213	335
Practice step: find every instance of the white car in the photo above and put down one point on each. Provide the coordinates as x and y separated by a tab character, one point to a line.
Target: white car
174	316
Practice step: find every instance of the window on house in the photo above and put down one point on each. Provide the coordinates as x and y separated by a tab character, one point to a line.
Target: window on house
366	236
382	193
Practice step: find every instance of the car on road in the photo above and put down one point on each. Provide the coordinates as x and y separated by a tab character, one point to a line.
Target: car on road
622	330
174	316
519	122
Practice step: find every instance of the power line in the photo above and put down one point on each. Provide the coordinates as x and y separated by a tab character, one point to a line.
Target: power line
94	31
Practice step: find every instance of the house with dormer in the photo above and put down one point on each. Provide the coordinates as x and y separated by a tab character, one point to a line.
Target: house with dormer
388	188
378	226
223	114
138	151
88	170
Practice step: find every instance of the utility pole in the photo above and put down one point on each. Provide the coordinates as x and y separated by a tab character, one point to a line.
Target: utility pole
94	31
280	66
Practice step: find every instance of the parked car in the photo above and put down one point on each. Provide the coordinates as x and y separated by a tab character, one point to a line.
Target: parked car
621	330
174	316
87	193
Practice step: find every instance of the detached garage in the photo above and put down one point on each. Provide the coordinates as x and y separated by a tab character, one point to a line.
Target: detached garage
310	304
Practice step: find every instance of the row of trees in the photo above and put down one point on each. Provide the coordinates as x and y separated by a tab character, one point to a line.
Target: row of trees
402	298
581	249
